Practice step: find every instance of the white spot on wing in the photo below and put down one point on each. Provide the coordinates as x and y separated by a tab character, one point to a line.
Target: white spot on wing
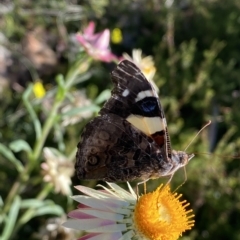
141	95
125	93
164	122
148	125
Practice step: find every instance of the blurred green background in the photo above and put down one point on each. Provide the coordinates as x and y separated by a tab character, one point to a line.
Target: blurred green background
195	45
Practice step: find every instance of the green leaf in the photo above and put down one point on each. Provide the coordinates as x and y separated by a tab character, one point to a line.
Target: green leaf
27	103
59	136
84	77
2	215
42	207
103	96
39	208
11	219
61	88
9	155
32	203
20	145
1	202
49	209
77	110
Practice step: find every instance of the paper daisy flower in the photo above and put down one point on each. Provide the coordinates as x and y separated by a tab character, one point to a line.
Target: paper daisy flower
117	215
57	170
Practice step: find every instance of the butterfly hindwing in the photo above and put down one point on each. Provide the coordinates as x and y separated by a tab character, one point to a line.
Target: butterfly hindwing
112	149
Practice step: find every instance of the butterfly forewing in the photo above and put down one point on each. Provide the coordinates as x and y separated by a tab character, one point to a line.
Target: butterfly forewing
135	99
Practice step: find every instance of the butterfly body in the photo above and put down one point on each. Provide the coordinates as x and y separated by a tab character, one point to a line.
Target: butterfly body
129	140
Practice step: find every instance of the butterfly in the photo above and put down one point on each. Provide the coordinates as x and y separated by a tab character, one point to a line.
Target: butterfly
129	139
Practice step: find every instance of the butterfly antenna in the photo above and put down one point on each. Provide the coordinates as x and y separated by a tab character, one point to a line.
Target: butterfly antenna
185	173
207	124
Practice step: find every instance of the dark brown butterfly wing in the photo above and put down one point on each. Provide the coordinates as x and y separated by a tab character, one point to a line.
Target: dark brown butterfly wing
129	139
112	149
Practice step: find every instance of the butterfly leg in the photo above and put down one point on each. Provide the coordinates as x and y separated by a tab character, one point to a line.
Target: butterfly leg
145	187
170	179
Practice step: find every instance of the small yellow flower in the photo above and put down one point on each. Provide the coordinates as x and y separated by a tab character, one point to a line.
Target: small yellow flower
39	89
160	215
116	35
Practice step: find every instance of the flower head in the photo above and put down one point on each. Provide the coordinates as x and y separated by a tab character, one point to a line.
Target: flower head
146	64
39	89
116	35
116	214
96	44
161	215
57	170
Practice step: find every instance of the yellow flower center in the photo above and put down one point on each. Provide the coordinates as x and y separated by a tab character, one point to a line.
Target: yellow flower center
148	69
161	216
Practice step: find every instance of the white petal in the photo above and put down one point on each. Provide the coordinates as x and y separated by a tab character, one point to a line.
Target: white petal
87	224
92	192
94	225
91	202
105	236
127	236
121	192
110	228
128	221
102	214
98	205
132	191
122	211
107	203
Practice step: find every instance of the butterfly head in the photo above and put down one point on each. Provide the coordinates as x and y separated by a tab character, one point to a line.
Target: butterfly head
180	159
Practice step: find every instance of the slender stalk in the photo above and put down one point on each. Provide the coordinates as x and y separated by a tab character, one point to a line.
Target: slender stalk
46	129
10	196
16	188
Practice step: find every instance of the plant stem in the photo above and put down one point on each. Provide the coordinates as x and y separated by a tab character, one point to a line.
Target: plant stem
46	129
30	211
16	188
10	196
